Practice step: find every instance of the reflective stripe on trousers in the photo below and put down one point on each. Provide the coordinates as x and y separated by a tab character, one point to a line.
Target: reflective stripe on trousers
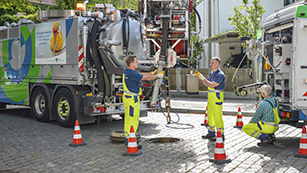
256	129
215	106
131	103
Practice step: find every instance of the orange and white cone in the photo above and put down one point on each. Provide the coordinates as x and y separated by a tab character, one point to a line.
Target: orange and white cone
77	141
239	123
302	152
132	149
206	118
219	154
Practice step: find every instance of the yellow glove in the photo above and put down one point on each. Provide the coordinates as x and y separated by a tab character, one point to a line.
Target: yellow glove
154	72
161	74
199	75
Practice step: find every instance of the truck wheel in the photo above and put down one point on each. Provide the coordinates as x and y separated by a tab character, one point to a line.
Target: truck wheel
64	108
39	105
2	105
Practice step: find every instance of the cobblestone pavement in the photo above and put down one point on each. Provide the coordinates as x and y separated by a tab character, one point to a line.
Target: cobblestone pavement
30	146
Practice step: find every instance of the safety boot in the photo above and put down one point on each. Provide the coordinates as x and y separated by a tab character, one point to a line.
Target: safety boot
272	136
210	135
213	139
267	140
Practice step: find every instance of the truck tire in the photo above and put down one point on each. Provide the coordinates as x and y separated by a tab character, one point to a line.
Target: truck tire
39	105
2	105
63	107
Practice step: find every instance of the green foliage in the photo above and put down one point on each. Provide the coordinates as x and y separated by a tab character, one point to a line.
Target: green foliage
8	18
247	18
198	51
193	21
11	7
64	5
11	19
118	4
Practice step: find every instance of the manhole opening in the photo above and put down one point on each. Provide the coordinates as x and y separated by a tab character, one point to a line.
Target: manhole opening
163	140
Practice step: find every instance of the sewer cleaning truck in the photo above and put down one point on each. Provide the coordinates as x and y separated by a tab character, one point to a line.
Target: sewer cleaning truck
70	66
281	61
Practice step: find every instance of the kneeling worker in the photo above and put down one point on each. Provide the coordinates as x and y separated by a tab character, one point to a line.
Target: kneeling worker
265	121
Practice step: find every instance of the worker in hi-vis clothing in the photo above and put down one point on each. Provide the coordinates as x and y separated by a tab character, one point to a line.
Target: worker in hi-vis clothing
265	121
132	91
215	84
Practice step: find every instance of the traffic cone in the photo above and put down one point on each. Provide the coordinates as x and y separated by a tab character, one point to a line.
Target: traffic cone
77	141
132	149
219	154
239	123
206	118
302	152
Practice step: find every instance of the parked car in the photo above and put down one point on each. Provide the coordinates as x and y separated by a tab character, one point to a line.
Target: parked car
234	60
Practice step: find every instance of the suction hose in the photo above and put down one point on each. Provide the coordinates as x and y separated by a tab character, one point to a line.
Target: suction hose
95	56
199	19
125	35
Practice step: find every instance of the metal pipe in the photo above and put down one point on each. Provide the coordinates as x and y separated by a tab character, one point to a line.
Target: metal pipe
84	36
84	10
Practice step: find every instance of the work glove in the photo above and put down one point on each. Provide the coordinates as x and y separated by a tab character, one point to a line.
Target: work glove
199	75
161	74
154	72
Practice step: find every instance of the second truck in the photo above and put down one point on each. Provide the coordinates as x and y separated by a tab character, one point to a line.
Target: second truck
281	61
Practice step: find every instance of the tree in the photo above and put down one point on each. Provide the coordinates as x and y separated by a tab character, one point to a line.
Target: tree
118	4
10	8
65	4
247	18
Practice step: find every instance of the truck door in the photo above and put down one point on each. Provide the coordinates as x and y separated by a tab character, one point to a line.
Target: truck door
299	71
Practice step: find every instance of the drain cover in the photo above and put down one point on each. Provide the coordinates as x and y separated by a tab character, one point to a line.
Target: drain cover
163	140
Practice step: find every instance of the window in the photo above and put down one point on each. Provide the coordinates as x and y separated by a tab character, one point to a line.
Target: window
287	2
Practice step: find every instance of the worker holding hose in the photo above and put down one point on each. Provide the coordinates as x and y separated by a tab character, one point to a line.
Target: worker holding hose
132	91
215	84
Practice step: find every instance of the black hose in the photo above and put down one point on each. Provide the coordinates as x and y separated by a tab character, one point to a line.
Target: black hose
198	18
125	37
95	56
88	52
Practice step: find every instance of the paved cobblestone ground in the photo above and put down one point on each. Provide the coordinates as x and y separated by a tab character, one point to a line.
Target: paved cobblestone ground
30	146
